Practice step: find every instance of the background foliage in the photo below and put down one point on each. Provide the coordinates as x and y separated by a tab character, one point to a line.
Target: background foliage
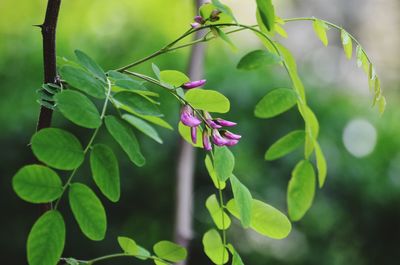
354	218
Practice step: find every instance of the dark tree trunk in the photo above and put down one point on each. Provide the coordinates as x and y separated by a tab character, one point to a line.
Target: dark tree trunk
49	64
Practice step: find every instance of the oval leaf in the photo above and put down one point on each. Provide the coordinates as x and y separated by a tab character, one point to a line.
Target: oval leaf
130	101
301	190
170	251
347	43
214	247
267	13
105	171
88	211
243	201
82	80
321	164
257	59
57	148
211	172
320	30
184	131
224	163
143	126
37	184
90	65
265	219
275	102
79	109
208	100
173	78
126	139
128	245
46	239
220	218
285	145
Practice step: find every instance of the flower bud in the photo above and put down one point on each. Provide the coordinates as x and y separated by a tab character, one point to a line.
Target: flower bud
193	133
195	25
231	135
218	139
188	117
226	123
199	19
206	141
194	84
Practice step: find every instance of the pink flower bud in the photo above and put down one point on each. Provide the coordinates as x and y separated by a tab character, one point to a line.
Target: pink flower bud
232	142
188	117
195	25
218	139
199	19
193	84
213	124
193	133
231	135
206	141
226	123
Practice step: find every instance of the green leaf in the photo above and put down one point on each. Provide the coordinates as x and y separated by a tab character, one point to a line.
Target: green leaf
57	148
381	104
156	120
90	65
236	259
285	145
243	201
301	190
130	84
126	139
224	37
347	44
312	129
214	247
173	78
267	13
170	251
156	70
256	59
321	164
275	102
78	108
105	170
224	163
37	184
265	219
88	211
208	100
184	131
320	30
207	9
292	67
80	79
210	169
220	218
46	239
128	245
362	60
136	103
143	126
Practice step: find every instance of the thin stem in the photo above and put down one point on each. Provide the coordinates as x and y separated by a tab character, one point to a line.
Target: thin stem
89	145
118	255
330	24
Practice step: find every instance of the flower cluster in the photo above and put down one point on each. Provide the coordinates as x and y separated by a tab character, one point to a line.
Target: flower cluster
213	130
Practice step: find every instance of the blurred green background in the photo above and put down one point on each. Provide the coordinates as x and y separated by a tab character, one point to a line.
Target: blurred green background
356	217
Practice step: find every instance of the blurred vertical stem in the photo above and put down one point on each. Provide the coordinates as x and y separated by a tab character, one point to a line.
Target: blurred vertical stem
49	64
186	160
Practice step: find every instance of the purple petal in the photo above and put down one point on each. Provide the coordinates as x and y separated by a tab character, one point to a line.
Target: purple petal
206	141
194	84
231	135
195	25
199	19
218	139
213	125
231	142
188	117
193	133
226	123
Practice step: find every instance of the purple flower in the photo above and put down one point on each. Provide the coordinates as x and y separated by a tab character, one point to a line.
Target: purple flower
231	142
194	84
218	139
195	25
213	124
188	117
206	141
193	133
231	135
199	19
226	123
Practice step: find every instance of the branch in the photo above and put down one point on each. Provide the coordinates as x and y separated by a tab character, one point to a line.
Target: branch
49	63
